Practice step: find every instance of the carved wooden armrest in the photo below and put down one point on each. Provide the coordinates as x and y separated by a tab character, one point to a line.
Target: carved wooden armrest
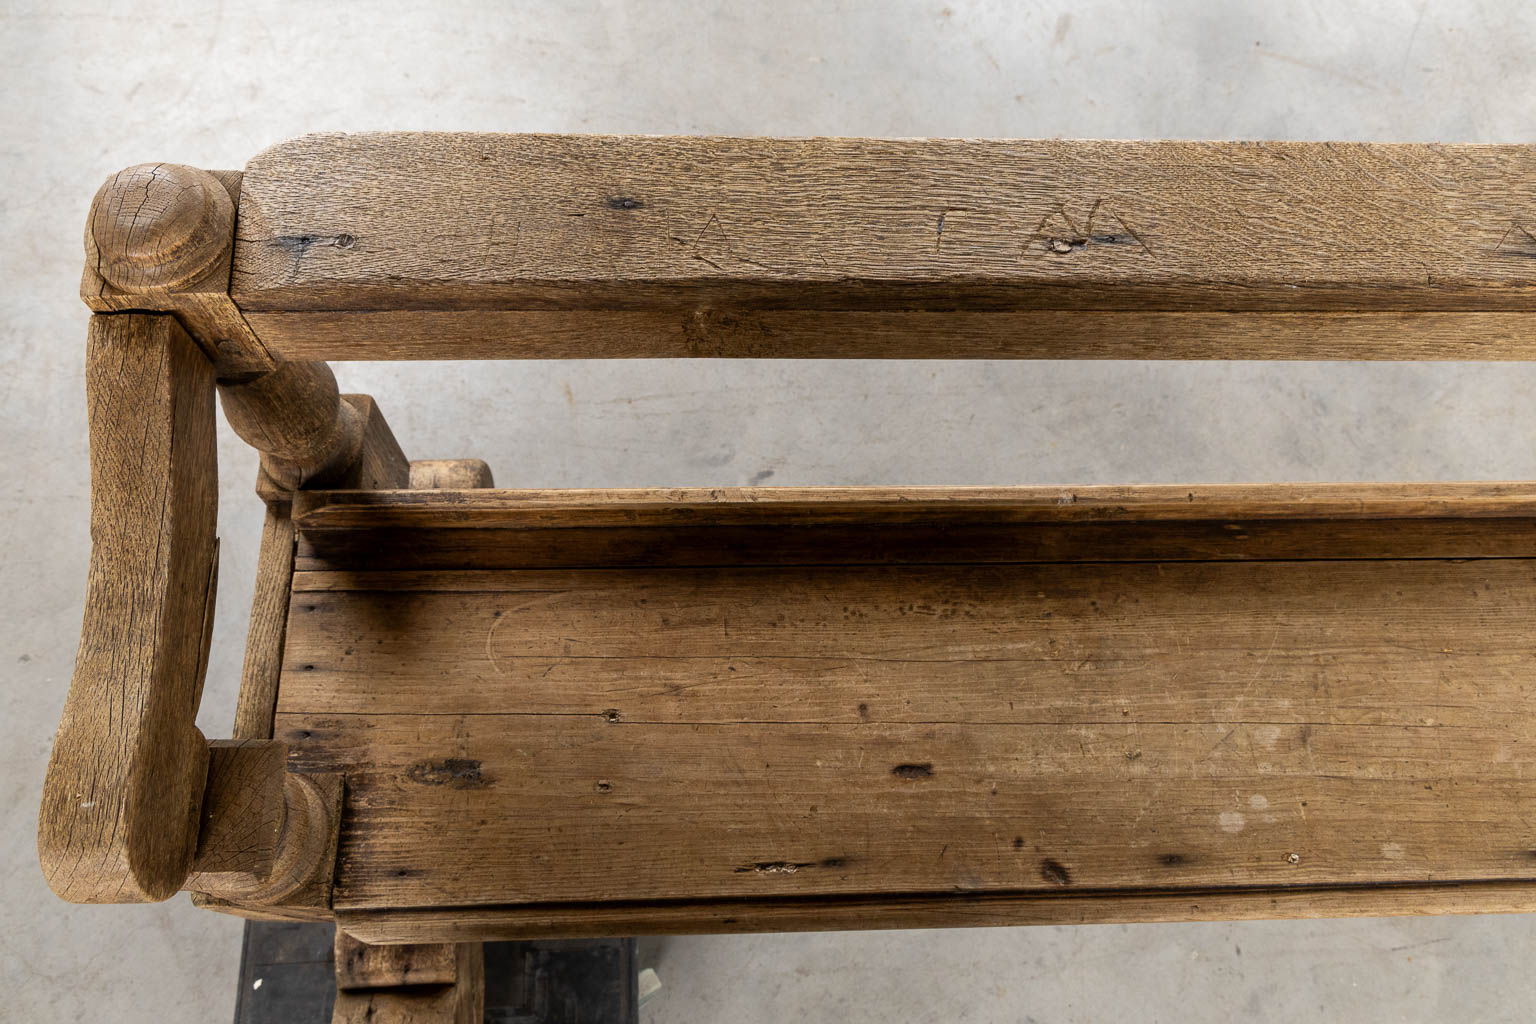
134	808
125	783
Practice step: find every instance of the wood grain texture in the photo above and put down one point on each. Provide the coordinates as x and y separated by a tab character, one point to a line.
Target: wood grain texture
427	550
268	627
903	334
243	813
808	506
119	819
809	732
507	224
449	474
295	418
161	237
298	887
929	910
380	465
462	1002
361	965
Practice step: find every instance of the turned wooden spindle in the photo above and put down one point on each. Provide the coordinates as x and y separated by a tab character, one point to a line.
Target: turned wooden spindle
295	417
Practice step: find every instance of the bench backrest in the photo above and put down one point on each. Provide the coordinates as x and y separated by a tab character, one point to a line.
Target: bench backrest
444	246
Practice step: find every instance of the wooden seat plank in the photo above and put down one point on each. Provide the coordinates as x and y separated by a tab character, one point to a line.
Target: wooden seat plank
707	734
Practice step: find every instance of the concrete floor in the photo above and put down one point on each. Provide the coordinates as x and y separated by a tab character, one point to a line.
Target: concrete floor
90	88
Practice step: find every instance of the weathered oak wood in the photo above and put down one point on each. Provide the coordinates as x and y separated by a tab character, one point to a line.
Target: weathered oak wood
461	1002
295	417
808	506
455	245
161	237
299	884
933	910
571	712
309	435
243	813
269	624
731	733
903	334
554	547
449	474
361	965
119	819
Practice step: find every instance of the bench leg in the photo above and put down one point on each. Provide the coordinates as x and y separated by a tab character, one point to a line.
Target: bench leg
442	983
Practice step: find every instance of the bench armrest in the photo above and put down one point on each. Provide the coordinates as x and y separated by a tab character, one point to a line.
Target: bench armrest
119	819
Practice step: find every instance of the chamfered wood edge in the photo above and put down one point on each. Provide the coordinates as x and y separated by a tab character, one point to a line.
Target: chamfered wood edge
322	510
902	334
298	887
930	910
360	965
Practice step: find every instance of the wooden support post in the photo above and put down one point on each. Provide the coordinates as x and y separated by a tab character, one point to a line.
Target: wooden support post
412	984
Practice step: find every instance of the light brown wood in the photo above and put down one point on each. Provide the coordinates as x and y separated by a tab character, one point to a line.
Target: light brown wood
802	732
381	465
119	819
377	464
462	1002
805	506
161	237
449	474
576	712
519	240
295	417
890	334
300	881
936	910
243	812
309	435
554	547
268	626
361	965
258	912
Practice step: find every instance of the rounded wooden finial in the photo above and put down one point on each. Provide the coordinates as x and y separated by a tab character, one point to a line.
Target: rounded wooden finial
159	226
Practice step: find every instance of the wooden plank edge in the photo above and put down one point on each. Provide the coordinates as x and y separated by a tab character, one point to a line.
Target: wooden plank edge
350	510
914	334
930	910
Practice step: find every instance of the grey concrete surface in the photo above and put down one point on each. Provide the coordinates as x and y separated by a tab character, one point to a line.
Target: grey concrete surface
92	87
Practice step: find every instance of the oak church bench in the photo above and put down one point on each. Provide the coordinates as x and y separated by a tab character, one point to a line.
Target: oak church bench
471	713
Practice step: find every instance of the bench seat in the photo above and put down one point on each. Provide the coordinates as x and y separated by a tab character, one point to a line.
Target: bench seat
694	710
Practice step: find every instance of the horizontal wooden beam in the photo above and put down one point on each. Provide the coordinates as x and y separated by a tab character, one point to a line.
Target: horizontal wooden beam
427	245
902	334
929	910
615	507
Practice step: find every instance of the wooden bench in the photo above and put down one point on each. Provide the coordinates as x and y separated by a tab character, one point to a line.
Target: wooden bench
470	713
